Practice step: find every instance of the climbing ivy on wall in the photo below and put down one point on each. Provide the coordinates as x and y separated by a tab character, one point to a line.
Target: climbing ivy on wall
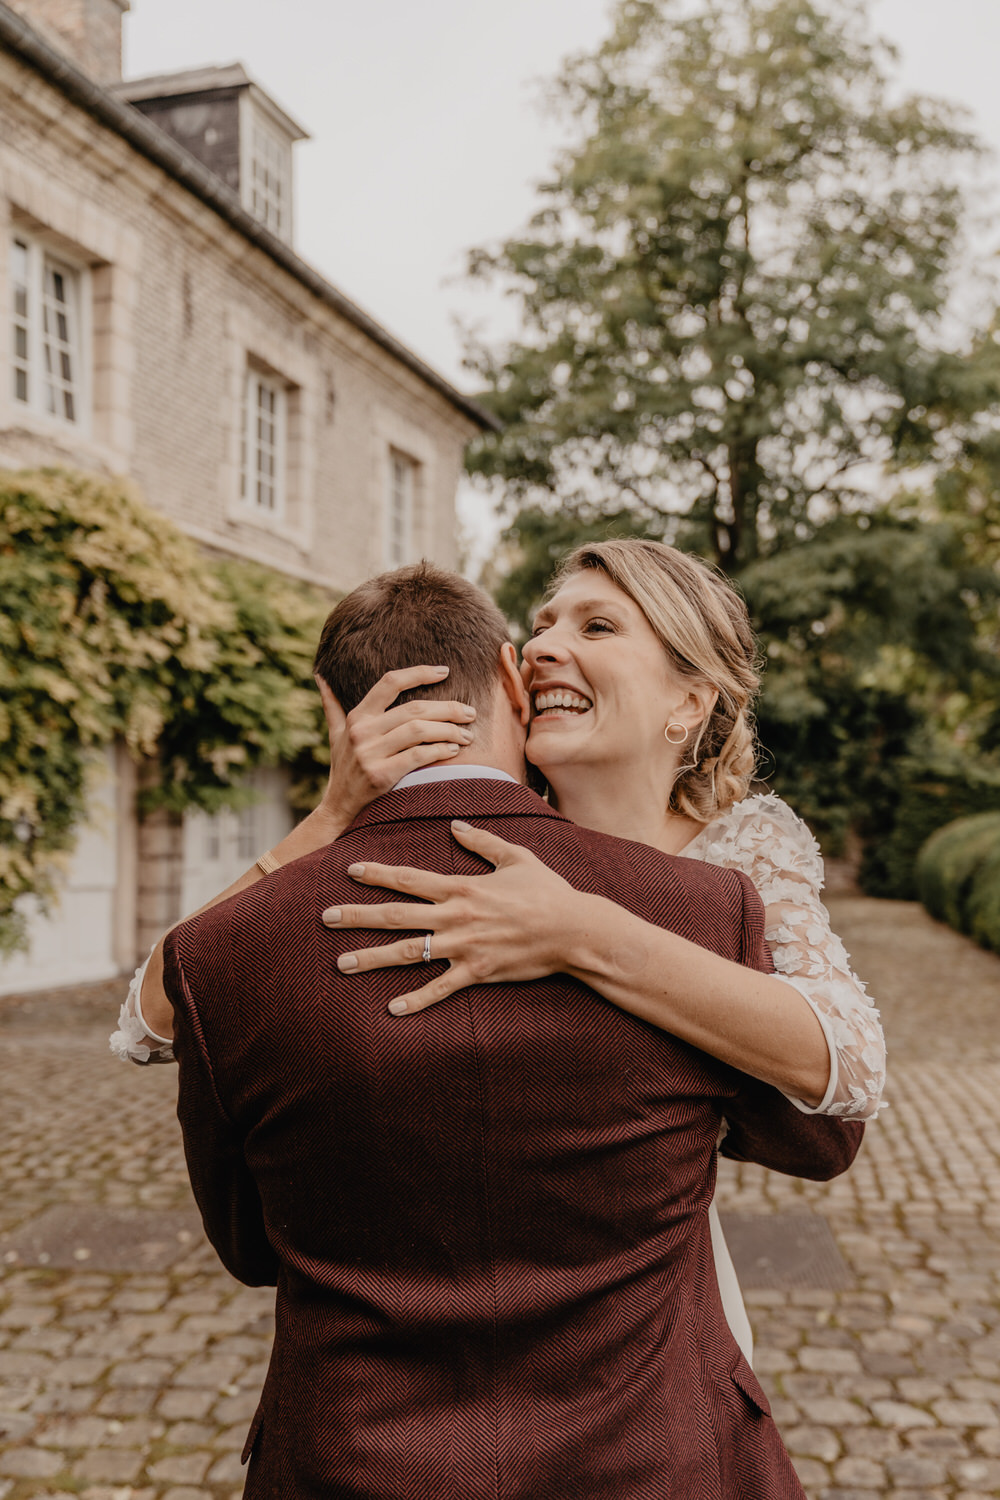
113	626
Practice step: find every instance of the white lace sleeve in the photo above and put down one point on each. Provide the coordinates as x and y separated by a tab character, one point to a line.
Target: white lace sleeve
763	837
133	1040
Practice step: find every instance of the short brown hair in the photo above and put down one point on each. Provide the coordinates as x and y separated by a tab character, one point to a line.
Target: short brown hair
416	615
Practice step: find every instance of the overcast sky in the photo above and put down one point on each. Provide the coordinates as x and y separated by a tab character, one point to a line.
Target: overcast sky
425	137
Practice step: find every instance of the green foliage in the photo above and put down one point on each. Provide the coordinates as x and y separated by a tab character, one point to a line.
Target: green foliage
876	667
919	796
732	295
881	682
958	877
113	626
253	702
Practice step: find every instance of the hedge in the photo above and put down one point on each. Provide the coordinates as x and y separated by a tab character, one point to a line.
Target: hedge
958	877
904	803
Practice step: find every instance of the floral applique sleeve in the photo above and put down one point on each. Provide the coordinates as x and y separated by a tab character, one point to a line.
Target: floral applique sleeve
133	1042
763	838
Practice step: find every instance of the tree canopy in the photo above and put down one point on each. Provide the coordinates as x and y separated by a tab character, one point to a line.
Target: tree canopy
734	293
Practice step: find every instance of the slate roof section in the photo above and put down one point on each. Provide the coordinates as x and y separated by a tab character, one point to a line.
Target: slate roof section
201	81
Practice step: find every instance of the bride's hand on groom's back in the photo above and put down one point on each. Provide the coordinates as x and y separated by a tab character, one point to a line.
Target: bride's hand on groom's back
376	745
510	925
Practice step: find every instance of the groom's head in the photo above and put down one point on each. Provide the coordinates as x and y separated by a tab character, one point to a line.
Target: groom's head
424	615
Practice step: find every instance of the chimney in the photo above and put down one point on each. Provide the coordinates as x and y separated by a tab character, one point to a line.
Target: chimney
87	32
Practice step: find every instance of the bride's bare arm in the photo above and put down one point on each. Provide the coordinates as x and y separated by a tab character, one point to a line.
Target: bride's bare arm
371	749
524	921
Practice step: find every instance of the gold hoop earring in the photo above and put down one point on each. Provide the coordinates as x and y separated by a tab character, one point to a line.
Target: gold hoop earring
684	734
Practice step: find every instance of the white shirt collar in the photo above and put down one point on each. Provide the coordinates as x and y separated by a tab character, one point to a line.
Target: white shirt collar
452	773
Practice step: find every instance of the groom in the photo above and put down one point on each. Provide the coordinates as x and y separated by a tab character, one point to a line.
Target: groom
488	1224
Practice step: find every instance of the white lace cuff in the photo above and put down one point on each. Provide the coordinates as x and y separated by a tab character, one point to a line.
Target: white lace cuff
131	1042
823	1107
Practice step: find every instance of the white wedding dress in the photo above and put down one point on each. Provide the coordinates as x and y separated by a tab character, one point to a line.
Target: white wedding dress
763	838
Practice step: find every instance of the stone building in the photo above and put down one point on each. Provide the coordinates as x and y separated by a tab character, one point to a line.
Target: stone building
156	322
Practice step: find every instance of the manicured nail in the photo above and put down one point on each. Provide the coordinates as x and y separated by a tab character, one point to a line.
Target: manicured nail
346	962
356	872
332	914
461	827
468	713
440	671
397	1007
467	736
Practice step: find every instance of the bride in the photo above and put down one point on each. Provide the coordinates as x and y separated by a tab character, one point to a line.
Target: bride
641	676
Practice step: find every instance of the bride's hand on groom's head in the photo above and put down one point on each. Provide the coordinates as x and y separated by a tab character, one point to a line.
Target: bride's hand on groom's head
510	925
376	745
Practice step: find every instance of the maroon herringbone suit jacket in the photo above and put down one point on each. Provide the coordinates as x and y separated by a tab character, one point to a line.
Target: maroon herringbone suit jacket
488	1223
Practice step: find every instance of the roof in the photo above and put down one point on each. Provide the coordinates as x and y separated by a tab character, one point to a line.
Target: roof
203	81
158	147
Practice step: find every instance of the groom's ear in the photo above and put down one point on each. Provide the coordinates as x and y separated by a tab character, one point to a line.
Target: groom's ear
513	686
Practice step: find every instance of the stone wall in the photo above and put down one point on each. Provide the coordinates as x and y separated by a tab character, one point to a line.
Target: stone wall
177	304
89	32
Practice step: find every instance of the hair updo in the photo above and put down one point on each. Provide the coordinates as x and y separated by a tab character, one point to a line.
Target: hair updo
703	626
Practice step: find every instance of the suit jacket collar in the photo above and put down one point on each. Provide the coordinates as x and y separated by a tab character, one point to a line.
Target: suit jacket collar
468	798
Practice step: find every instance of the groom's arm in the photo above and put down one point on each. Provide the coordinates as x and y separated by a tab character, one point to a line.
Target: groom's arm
764	1127
224	1188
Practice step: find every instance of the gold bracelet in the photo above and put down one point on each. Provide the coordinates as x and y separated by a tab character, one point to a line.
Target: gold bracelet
267	863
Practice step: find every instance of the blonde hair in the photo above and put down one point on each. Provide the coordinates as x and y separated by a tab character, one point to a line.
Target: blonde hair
703	626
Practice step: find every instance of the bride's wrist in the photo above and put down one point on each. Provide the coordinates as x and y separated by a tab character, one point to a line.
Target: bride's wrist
605	942
317	829
583	936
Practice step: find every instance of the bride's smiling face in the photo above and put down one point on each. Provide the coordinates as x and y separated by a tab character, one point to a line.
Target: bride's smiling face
601	687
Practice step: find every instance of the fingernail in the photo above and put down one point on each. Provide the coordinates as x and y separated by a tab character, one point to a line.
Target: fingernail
397	1007
355	871
453	749
467	736
440	671
332	914
469	713
346	962
461	827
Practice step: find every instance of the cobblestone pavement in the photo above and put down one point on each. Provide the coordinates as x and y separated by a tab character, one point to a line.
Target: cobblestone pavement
139	1384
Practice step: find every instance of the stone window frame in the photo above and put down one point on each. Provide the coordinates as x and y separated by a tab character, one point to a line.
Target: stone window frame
397	436
252	345
69	392
94	242
264	456
400	505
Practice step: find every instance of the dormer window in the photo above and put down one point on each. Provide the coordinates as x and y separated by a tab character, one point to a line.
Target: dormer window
234	128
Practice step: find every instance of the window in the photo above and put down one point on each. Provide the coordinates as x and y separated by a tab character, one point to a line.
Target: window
248	836
269	161
231	835
262	445
399	518
47	355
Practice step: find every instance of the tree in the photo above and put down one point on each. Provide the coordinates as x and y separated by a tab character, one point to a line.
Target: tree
534	545
733	296
879	685
880	706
